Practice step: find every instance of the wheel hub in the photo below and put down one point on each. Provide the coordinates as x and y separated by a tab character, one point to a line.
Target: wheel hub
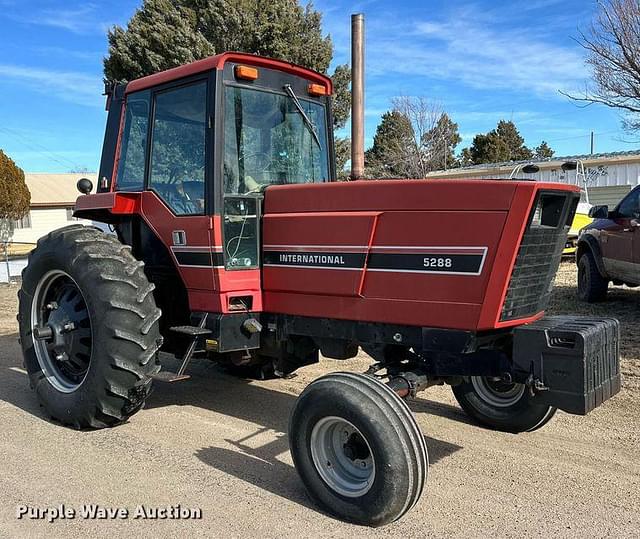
497	392
342	456
61	329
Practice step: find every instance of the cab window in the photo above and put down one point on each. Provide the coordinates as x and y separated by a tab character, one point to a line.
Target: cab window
178	148
268	140
630	206
134	143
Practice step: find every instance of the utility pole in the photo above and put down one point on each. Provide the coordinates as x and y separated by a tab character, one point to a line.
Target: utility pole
591	143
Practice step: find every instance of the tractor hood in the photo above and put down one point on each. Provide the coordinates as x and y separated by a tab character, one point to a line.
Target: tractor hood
433	253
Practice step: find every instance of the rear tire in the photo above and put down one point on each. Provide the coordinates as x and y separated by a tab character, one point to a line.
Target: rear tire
358	449
592	287
96	374
500	406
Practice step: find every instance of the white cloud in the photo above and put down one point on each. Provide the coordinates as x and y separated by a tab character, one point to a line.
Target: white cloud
479	50
78	20
79	88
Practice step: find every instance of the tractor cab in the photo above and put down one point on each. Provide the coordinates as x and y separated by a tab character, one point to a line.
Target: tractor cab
193	149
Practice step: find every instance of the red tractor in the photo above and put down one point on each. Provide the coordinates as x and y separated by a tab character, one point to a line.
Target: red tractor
234	241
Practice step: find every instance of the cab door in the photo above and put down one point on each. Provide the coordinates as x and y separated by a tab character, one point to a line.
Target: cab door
173	155
621	240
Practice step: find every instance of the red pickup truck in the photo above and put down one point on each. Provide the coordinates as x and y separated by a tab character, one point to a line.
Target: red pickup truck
609	248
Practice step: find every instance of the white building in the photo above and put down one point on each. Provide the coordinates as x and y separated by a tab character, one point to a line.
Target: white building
52	199
608	177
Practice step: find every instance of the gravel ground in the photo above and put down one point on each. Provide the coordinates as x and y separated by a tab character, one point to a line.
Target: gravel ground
219	444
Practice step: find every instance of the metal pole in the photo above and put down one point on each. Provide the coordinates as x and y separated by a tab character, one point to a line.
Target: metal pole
6	259
446	151
357	96
591	142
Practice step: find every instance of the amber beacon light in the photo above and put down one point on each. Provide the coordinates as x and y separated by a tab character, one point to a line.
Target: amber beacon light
246	72
317	89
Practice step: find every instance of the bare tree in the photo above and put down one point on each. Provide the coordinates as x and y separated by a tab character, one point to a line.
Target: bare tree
414	138
423	115
613	45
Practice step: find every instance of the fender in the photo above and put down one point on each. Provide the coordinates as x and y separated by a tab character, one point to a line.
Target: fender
588	243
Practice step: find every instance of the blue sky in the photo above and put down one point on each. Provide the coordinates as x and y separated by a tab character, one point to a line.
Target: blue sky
479	60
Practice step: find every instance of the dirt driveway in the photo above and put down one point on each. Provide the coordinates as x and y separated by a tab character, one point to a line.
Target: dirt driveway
219	444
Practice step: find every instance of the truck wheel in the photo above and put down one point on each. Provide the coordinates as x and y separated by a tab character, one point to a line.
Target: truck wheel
88	328
508	407
358	449
592	287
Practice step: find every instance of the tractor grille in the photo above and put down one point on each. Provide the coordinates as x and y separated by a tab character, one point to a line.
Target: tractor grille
539	256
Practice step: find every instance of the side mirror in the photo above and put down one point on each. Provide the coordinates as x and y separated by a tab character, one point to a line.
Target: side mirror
599	212
84	186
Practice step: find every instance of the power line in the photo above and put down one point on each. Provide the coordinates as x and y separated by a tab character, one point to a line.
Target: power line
39	148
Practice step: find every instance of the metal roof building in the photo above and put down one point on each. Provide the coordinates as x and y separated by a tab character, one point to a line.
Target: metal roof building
52	199
607	176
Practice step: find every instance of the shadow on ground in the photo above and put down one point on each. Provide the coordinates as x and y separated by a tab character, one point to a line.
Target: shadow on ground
261	465
14	382
212	389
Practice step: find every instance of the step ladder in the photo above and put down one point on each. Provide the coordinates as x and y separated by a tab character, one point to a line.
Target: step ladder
196	333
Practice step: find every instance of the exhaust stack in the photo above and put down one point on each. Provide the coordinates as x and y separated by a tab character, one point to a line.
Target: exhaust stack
357	96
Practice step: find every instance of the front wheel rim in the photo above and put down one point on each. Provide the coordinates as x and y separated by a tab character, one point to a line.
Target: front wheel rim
61	331
496	392
342	456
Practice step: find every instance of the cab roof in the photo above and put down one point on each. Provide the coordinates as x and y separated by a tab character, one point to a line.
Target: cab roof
218	61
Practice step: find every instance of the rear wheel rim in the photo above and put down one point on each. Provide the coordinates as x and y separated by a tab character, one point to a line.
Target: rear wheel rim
60	309
496	392
342	456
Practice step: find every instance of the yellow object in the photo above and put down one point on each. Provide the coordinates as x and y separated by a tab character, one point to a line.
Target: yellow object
579	222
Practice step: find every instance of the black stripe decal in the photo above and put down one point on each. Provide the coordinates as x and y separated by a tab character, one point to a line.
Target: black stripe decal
454	263
428	263
315	259
199	258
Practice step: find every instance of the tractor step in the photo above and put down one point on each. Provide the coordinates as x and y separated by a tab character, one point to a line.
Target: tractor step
168	376
193	331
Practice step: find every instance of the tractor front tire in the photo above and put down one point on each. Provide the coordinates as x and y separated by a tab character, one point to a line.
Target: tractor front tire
592	287
358	449
507	407
88	328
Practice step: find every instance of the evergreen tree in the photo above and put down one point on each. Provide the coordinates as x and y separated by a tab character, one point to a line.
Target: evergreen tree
543	151
394	138
14	195
167	33
508	132
441	140
504	143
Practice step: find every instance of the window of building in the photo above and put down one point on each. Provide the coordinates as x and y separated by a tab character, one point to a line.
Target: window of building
134	143
178	148
25	222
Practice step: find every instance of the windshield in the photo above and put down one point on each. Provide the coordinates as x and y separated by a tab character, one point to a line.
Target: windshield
267	141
